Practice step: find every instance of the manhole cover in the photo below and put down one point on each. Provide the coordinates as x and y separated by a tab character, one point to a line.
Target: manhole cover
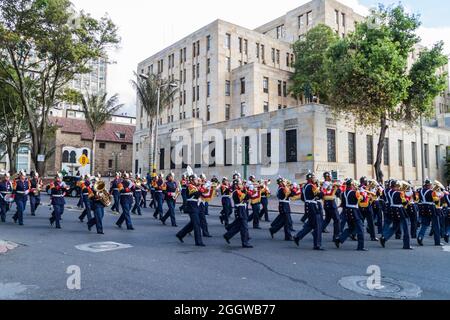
10	291
390	288
102	247
446	248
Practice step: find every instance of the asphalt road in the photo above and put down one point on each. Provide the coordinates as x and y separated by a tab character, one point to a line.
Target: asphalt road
157	266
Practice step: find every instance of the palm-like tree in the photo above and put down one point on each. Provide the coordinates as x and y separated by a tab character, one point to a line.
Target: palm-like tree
98	110
147	92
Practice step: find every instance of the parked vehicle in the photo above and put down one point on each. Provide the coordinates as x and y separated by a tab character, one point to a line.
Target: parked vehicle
72	183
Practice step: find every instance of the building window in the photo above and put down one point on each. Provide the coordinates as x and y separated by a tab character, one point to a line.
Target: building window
291	146
193	72
110	164
309	18
228	41
268	144
257	50
280	88
386	153
400	153
280	32
208	43
426	155
227	88
266	85
266	106
331	143
240	45
193	94
198	70
414	154
280	107
228	152
285	89
73	157
336	16
242	85
161	159
123	147
288	60
208	113
65	157
370	150
273	55
228	59
301	21
208	89
208	66
343	19
438	156
243	109
198	93
263	54
351	148
245	46
278	56
227	112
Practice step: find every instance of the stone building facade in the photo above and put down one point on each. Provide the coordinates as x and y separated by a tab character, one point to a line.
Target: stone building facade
73	138
234	78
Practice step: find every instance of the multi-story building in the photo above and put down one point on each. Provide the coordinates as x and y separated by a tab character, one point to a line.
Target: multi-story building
233	78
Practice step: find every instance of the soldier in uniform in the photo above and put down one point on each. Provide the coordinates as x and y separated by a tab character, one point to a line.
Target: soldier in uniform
254	193
265	195
159	196
283	220
397	200
6	189
137	195
412	210
227	208
35	194
366	207
114	191
193	194
240	197
21	191
86	195
99	211
170	194
183	184
145	189
446	205
350	199
152	187
207	195
427	209
58	191
378	208
314	223
126	201
329	193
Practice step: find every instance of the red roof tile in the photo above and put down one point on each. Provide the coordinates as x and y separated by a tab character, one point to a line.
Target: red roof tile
106	134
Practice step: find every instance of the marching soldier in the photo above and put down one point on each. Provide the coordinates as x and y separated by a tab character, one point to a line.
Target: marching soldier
227	208
353	218
35	194
265	195
171	194
159	196
98	208
207	190
145	189
137	195
114	191
254	193
446	205
86	196
21	191
184	183
283	220
240	197
126	201
366	207
378	208
329	193
315	219
397	202
427	209
58	192
6	190
412	210
194	194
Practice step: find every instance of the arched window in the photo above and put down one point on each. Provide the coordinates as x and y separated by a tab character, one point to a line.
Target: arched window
73	157
65	157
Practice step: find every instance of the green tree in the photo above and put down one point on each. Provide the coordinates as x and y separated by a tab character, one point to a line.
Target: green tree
13	125
371	80
44	44
147	93
310	77
98	110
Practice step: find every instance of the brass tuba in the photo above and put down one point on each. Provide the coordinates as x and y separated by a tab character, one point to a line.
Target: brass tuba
101	193
438	186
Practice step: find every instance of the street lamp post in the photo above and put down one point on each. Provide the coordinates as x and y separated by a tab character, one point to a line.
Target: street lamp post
422	151
173	85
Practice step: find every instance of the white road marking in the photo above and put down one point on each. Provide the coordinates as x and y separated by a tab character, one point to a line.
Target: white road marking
446	248
11	291
98	247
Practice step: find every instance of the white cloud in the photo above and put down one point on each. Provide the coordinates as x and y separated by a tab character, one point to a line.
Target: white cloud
147	27
431	36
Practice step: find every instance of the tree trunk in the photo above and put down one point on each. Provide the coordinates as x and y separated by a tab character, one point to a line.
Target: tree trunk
150	158
11	157
94	145
383	130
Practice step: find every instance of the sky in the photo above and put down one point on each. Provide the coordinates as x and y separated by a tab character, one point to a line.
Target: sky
147	27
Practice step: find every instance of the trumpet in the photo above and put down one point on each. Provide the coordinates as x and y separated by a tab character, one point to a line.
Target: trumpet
101	193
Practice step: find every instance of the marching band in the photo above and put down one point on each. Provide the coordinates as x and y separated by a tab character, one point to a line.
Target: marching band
397	208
